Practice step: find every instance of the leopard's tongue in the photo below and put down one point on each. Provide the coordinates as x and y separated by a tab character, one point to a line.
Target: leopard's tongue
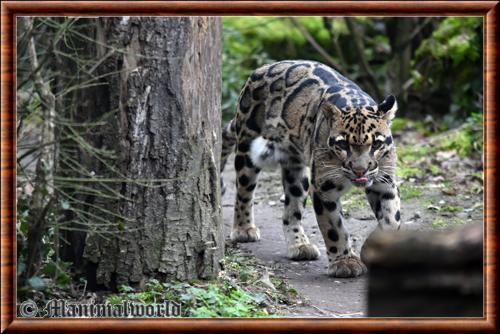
361	180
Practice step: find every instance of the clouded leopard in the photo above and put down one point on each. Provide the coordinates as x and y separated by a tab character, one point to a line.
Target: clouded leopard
327	135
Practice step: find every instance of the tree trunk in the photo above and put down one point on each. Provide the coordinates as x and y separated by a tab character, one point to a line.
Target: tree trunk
400	30
168	95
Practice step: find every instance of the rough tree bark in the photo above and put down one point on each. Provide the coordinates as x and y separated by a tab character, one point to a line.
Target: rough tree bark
399	30
168	94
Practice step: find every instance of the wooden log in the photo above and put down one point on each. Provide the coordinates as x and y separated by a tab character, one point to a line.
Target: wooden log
425	274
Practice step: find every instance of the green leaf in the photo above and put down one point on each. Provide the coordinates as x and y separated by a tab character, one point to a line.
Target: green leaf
21	266
65	205
125	288
36	283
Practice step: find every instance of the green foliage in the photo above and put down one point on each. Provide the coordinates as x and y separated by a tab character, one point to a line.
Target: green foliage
398	124
237	292
217	298
452	208
405	172
407	155
58	272
413	152
479	175
277	35
418	160
241	55
467	140
222	301
445	66
455	39
53	272
408	191
459	141
441	223
250	42
355	200
453	66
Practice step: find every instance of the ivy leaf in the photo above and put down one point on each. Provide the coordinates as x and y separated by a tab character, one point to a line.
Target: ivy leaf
36	283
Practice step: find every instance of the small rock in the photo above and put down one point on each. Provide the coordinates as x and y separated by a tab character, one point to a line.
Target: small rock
441	202
438	178
449	191
445	155
272	203
282	198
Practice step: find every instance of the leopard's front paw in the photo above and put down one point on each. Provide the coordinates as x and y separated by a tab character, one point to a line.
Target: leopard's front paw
304	251
348	266
247	234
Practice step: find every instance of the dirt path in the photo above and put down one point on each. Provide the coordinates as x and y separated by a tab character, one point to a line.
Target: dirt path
424	208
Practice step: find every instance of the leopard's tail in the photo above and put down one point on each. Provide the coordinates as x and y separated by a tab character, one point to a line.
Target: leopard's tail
228	142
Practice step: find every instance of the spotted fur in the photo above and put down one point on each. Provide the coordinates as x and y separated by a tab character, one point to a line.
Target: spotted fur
327	135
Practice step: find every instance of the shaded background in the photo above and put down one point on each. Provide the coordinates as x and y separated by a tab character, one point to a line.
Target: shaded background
432	64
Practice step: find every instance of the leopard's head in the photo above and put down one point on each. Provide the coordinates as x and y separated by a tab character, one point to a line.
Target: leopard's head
362	141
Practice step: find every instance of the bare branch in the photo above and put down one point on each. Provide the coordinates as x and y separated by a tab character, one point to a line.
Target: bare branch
44	180
316	45
328	23
360	48
415	32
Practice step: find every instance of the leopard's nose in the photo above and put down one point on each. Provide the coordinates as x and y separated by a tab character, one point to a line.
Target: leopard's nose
359	171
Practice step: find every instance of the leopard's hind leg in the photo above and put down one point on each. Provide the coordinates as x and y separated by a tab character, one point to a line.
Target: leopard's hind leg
244	228
296	185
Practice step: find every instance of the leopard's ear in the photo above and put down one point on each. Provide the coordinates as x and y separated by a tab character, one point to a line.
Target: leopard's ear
387	108
330	110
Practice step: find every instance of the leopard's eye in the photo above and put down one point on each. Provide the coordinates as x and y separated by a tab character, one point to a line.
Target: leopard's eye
377	144
342	144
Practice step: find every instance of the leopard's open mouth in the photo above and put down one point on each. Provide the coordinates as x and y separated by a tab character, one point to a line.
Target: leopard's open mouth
361	181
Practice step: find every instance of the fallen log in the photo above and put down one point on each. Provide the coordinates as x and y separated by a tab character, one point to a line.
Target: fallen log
425	274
